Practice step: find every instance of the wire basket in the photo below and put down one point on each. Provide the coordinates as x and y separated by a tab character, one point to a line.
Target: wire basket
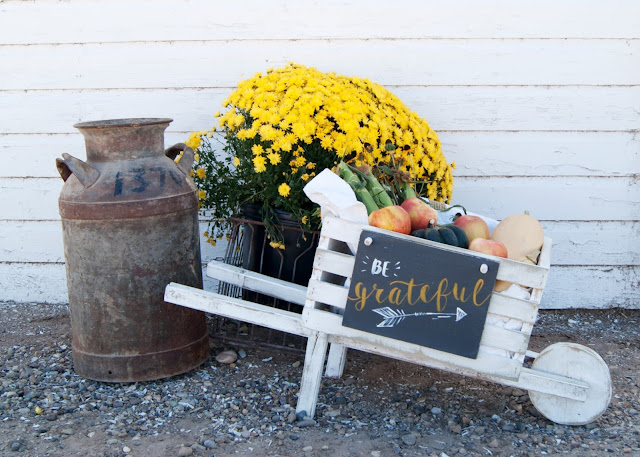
249	248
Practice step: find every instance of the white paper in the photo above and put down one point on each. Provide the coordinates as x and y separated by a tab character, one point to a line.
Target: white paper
335	196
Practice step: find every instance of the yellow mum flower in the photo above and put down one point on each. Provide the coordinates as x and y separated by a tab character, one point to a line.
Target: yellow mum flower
274	158
194	140
201	173
236	162
202	195
257	149
259	164
284	189
276	245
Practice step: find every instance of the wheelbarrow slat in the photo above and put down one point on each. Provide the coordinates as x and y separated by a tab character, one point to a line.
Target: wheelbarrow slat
513	308
327	293
257	282
235	308
330	323
334	262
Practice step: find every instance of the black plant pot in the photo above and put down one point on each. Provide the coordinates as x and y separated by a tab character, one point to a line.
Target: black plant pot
293	264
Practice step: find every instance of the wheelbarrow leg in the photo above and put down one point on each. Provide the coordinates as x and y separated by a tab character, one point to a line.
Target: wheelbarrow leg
336	360
312	373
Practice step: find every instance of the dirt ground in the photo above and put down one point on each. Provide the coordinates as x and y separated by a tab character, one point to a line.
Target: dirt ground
426	412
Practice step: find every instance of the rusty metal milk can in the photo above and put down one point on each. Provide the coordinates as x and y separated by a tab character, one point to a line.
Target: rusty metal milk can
130	227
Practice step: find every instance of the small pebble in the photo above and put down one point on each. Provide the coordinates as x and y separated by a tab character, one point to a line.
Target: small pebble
209	444
306	423
227	357
409	439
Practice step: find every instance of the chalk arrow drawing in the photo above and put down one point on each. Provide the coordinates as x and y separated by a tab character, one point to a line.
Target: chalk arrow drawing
393	317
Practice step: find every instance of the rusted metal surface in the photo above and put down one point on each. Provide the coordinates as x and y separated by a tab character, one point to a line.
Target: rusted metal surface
130	227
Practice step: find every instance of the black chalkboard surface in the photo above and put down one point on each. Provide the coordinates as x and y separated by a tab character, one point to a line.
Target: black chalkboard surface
420	293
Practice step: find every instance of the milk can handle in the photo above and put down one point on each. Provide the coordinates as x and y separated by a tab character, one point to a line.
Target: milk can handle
63	169
69	165
186	161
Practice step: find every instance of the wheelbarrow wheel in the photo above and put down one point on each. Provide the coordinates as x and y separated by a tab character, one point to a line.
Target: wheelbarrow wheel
580	363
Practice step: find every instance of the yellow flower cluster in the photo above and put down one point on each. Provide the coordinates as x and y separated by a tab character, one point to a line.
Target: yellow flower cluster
288	109
282	127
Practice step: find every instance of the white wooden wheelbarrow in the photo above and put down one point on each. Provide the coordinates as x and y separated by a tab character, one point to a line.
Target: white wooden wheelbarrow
568	383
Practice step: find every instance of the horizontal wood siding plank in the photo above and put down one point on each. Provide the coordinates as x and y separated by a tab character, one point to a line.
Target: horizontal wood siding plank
43	282
584	243
31	241
34	155
96	21
439	62
594	243
41	242
31	198
592	287
542	153
553	198
567	287
29	282
607	108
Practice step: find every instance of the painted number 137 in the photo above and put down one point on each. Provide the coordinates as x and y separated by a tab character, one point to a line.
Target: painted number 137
140	181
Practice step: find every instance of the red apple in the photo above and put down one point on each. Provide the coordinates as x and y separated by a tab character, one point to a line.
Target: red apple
473	226
393	218
420	212
493	248
489	247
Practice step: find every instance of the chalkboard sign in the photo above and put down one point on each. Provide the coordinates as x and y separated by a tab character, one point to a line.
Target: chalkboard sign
420	293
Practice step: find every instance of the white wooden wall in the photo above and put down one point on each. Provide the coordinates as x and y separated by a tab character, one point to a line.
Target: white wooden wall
537	102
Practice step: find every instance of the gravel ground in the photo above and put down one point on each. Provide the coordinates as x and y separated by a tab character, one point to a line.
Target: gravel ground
380	407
